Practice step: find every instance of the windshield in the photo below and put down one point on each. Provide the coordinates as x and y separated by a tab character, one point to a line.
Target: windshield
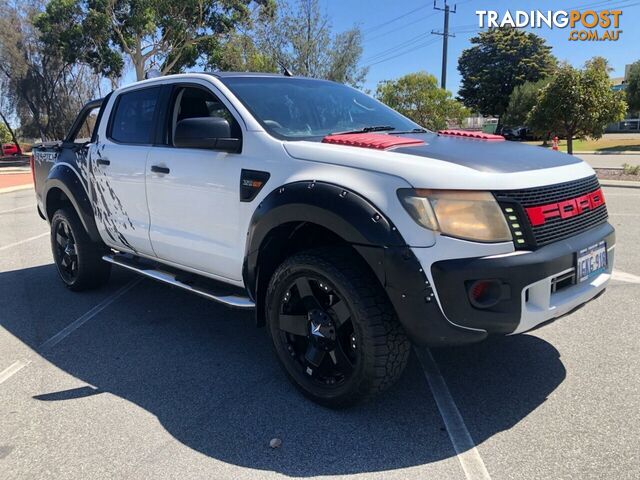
300	108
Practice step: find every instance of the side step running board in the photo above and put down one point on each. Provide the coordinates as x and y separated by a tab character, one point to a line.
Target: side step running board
210	289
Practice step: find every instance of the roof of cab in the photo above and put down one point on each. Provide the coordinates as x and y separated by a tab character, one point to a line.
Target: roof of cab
243	74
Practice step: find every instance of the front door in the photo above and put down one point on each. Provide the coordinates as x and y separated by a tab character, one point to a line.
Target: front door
193	193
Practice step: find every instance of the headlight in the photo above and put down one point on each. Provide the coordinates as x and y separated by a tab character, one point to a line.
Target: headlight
464	214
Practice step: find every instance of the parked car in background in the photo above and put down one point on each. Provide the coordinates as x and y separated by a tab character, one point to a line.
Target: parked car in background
519	134
10	149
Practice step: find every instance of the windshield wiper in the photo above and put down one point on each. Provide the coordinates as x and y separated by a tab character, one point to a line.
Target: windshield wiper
373	128
415	130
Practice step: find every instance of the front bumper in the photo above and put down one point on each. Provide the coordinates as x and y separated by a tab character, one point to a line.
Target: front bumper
528	278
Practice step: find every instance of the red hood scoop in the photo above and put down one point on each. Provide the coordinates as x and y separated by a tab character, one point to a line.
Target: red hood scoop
376	141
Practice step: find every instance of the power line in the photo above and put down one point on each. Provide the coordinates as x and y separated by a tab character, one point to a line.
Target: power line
420	19
375	27
401	53
406	43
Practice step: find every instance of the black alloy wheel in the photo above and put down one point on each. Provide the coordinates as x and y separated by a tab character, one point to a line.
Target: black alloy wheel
65	251
334	331
77	258
315	324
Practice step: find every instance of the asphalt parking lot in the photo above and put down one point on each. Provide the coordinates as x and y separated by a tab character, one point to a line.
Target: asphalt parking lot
140	380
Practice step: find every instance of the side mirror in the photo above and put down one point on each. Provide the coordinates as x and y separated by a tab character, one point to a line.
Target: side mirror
206	132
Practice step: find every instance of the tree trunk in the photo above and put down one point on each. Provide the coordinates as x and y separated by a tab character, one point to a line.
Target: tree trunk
570	144
13	134
139	64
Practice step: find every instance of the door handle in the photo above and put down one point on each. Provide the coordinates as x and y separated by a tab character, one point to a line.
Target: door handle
103	161
159	169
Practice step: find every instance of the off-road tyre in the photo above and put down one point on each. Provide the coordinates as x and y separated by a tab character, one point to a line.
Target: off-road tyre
382	348
89	270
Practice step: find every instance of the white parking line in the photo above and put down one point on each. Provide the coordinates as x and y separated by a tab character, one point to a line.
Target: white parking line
624	276
470	460
12	369
15	367
16	209
26	240
66	331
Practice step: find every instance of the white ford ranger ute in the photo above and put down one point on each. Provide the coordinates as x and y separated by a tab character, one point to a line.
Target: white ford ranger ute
352	231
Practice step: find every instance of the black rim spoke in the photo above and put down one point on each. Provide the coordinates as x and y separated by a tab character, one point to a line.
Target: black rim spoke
314	355
294	324
340	360
316	325
341	311
306	293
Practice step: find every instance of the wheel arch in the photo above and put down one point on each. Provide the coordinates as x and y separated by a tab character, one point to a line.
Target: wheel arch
308	214
345	217
64	187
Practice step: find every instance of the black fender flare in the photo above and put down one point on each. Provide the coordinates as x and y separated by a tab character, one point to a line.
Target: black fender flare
338	209
361	224
67	180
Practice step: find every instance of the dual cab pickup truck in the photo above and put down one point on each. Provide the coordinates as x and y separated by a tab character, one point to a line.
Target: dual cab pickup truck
352	231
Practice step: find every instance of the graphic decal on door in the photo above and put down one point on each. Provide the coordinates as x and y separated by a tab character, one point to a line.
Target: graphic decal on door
108	208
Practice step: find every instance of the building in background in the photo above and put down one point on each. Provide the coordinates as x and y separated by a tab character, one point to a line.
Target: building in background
629	124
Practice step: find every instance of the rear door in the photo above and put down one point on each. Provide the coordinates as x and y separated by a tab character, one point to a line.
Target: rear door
118	165
193	194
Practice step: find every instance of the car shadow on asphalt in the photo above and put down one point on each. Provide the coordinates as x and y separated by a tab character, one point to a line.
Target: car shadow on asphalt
211	379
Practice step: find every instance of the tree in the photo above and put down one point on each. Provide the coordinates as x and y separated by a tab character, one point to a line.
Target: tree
633	87
167	34
578	103
43	90
418	97
298	36
5	134
500	60
240	53
303	37
522	100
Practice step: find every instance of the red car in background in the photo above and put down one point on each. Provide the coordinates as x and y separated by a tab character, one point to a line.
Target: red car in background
9	149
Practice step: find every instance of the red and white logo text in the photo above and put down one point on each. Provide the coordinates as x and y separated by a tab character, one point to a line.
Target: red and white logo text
565	209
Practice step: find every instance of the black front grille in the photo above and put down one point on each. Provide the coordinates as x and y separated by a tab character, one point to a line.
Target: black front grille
553	229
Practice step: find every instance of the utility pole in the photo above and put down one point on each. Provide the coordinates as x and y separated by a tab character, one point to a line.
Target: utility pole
445	38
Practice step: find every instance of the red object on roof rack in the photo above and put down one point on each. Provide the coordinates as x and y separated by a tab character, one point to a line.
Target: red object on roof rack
371	140
468	134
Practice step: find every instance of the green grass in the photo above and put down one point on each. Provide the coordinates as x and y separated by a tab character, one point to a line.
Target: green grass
603	145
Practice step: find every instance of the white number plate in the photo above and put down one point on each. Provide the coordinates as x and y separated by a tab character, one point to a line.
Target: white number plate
591	261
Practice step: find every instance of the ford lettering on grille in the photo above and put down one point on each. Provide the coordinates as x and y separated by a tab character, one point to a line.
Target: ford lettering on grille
572	207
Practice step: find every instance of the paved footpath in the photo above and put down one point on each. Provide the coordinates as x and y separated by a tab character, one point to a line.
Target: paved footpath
15	179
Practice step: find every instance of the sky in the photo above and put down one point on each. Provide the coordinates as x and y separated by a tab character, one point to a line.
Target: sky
396	46
397	36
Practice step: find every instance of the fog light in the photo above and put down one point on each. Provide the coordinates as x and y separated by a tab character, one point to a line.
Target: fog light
485	293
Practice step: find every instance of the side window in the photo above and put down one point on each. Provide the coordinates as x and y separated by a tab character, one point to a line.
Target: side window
193	102
132	121
88	125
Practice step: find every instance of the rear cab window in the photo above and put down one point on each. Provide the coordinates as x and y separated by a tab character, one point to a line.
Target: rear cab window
88	125
133	116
